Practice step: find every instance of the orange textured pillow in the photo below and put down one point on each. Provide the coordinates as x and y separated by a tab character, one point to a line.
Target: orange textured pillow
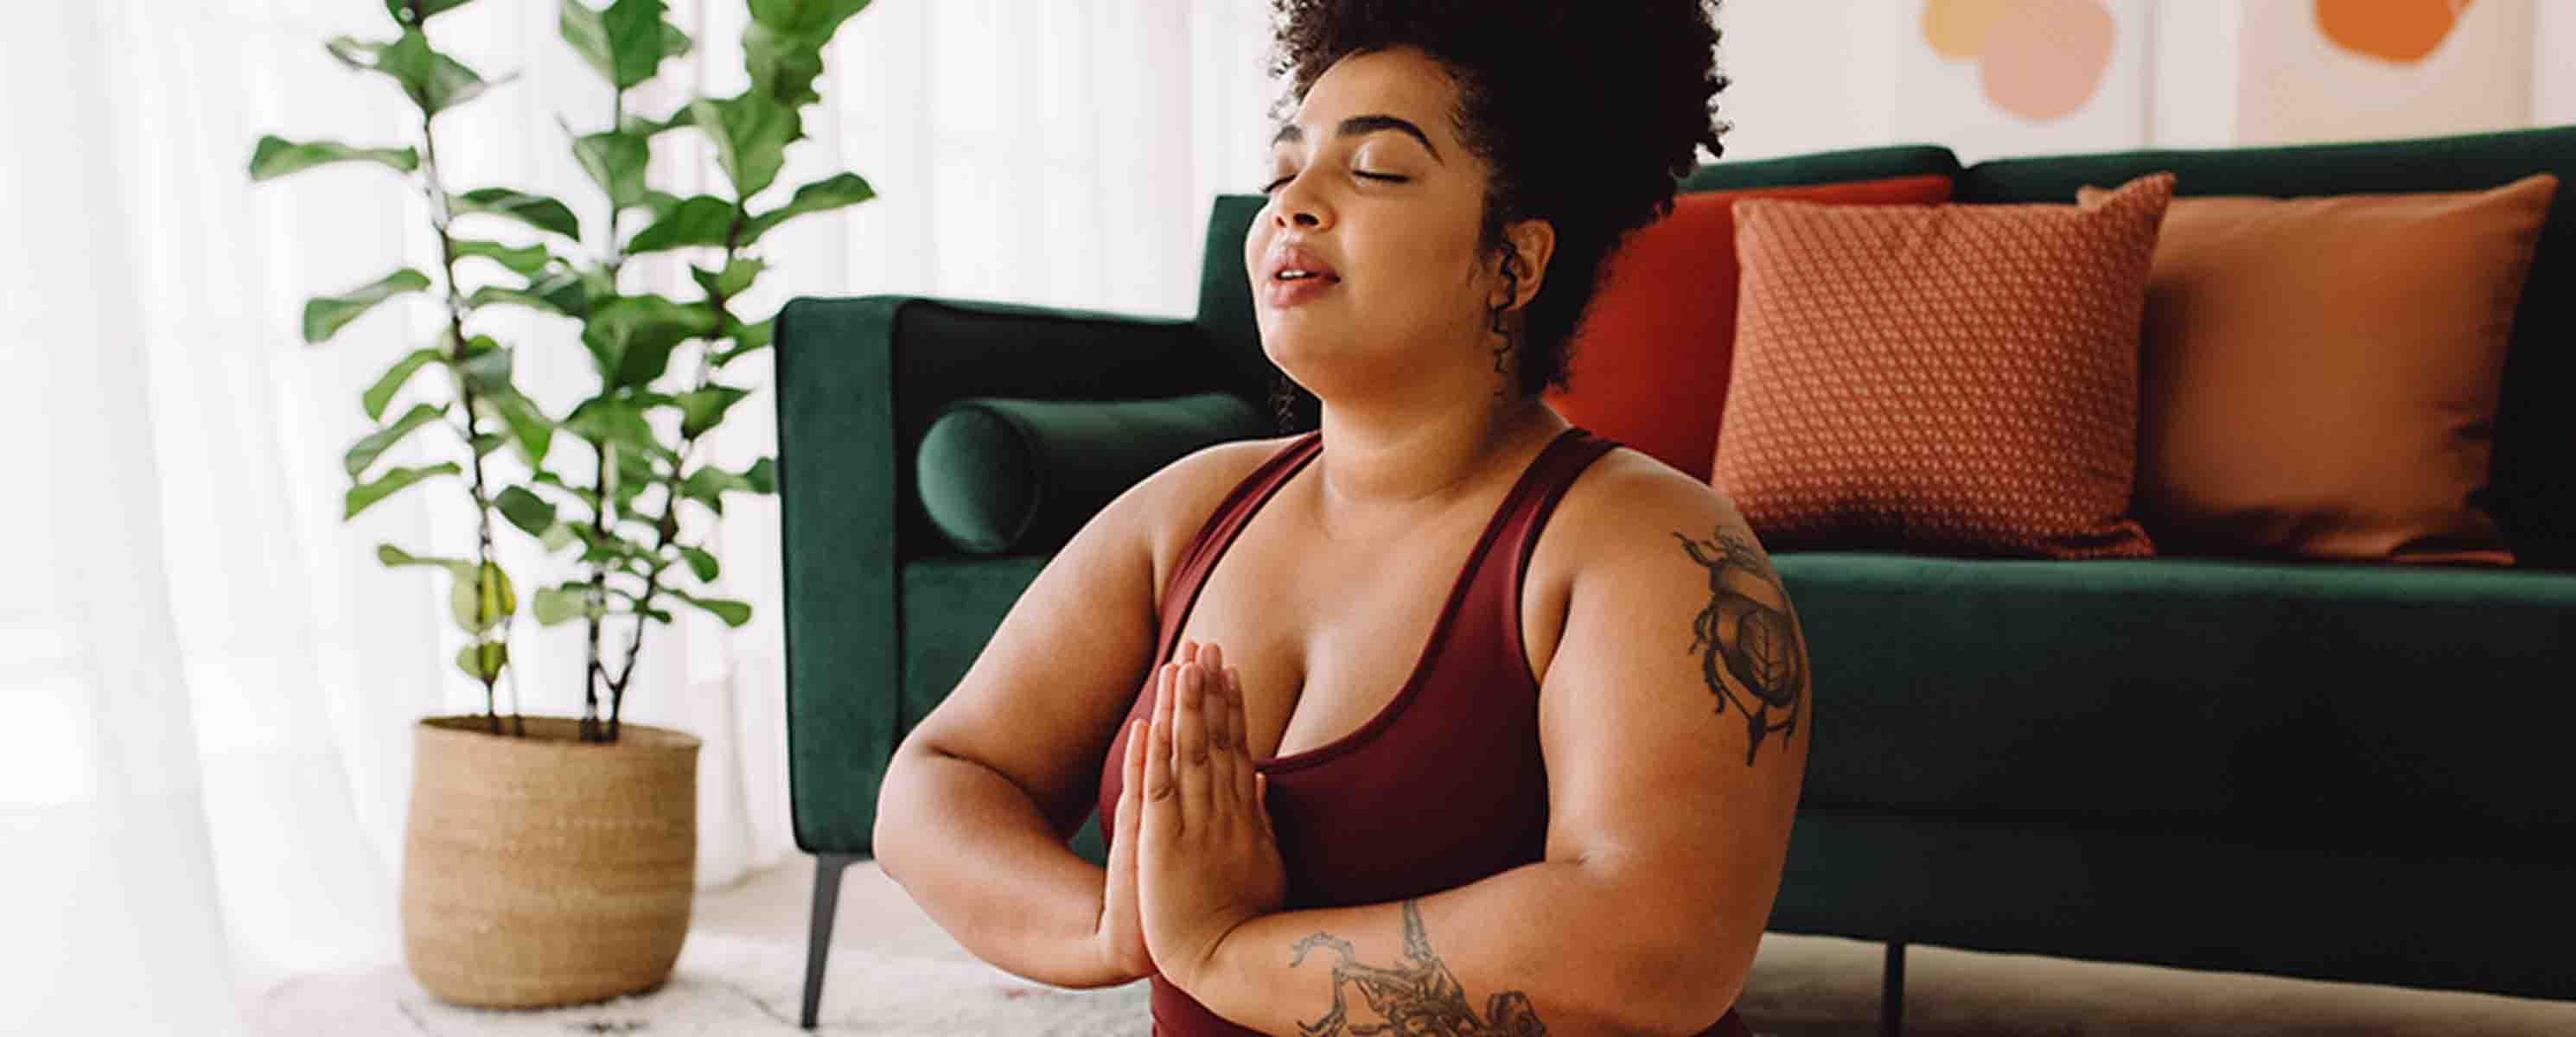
1651	361
1954	379
2318	376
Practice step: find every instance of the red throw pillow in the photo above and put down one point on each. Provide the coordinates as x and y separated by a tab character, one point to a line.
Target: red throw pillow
1942	379
1651	359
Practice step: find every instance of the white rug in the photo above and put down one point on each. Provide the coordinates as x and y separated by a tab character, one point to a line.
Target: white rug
725	986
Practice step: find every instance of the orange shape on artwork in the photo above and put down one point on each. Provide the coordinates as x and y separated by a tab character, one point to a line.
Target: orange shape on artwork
2403	31
1957	28
2044	58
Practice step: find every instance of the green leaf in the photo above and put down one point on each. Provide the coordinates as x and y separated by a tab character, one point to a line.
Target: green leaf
381	393
562	293
702	220
362	495
531	513
325	315
815	20
432	80
529	426
702	409
746	338
615	161
374	445
275	156
481	597
558	604
486	443
485	365
405	15
483	660
630	337
556	537
525	262
603	419
734	613
736	276
708	484
583	494
535	210
700	562
394	558
782	48
834	192
751	133
626	43
647	126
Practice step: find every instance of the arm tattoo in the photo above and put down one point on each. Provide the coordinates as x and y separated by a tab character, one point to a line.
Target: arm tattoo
1418	998
1747	638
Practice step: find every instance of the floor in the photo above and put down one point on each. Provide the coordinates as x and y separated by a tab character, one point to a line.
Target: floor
1805	986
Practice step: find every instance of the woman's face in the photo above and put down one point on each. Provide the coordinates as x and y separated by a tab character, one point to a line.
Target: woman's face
1365	268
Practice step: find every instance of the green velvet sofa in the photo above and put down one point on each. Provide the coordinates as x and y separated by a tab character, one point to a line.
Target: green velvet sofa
2336	771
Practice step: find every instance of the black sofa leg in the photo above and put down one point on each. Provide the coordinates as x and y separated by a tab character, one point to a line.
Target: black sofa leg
818	940
1891	992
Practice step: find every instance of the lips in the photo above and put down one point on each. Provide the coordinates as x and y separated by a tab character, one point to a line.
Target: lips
1292	274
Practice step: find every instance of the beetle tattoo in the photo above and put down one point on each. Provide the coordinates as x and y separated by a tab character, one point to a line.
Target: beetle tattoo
1748	640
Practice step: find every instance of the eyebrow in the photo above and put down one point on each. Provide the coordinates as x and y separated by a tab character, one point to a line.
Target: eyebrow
1291	133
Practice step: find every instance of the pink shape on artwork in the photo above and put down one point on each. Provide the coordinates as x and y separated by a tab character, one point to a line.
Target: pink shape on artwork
2044	58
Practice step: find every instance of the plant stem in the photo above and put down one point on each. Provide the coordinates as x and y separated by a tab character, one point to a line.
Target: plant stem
439	217
668	525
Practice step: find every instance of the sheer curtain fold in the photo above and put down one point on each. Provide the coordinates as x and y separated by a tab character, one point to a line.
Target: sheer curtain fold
212	682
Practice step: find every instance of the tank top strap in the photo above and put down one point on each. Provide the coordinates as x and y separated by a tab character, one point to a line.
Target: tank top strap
1233	513
1526	516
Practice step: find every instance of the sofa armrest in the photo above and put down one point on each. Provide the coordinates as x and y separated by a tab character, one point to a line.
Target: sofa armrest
858	380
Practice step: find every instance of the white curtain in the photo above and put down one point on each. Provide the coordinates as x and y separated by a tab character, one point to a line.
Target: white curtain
210	683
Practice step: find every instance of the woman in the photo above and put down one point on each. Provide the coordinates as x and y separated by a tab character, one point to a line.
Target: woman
1554	799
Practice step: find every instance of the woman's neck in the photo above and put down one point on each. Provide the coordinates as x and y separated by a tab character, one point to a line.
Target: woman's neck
1399	467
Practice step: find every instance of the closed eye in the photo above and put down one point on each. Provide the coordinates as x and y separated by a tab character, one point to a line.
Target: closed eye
1391	178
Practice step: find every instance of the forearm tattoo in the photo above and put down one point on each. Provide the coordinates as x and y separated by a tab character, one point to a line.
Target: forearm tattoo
1420	997
1745	641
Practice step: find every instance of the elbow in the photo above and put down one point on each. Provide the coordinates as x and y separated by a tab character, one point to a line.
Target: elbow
887	835
1678	983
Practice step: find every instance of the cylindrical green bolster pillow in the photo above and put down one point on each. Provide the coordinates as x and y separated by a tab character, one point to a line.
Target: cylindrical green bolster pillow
1022	476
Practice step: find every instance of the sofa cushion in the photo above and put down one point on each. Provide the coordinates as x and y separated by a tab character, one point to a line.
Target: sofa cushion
1651	361
1947	379
1022	476
2318	375
2532	489
2323	704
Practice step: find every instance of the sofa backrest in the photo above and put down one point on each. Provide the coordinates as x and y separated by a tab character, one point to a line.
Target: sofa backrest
2532	488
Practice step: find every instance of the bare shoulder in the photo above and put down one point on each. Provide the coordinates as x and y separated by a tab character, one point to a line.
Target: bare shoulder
1175	501
1628	502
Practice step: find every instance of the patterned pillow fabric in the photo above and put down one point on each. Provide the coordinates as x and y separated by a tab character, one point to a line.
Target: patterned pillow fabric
1650	362
1946	379
2319	376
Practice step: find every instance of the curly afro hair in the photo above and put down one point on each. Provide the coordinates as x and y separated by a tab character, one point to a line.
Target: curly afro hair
1587	113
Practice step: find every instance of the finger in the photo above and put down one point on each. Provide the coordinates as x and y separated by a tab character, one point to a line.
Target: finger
1158	746
1131	792
1261	803
1225	762
1190	748
1246	775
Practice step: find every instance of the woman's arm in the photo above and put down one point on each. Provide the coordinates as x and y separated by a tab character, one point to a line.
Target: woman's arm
1673	719
978	802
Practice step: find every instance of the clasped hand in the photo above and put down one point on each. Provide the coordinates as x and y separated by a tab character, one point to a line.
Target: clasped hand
1193	855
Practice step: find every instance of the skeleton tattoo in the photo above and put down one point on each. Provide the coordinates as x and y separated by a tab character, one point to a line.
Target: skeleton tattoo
1419	998
1746	641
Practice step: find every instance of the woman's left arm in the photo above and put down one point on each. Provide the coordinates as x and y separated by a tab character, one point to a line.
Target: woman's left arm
1674	721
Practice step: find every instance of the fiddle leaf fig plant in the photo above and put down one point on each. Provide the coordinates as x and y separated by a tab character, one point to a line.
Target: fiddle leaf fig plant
601	485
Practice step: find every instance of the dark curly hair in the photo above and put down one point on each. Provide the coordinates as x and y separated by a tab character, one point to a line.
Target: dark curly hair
1587	113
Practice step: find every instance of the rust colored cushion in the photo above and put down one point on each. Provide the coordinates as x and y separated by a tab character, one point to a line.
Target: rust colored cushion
1944	379
2318	376
1651	360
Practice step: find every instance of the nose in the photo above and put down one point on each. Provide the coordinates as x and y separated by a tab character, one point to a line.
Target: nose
1293	205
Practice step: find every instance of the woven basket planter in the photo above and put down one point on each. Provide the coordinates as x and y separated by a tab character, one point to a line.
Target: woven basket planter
541	870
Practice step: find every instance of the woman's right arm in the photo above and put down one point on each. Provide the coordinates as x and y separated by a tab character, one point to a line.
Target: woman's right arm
980	799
